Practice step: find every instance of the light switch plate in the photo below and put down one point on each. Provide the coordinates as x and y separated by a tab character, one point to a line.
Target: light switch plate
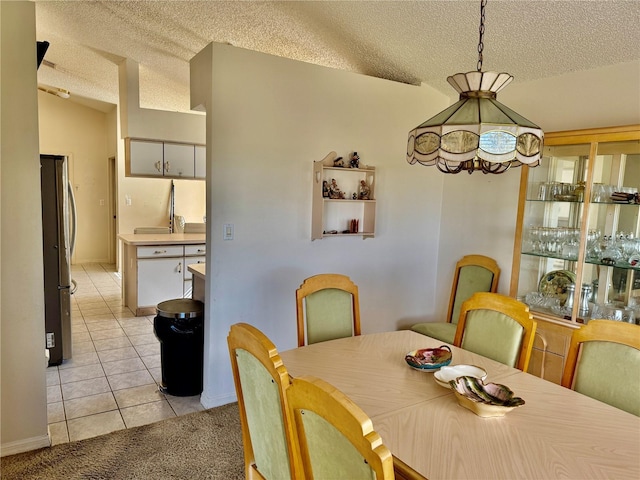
227	231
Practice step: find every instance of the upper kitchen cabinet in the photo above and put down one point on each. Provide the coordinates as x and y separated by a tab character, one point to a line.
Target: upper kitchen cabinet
577	251
155	158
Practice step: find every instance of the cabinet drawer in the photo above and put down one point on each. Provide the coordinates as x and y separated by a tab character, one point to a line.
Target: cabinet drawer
160	251
195	249
190	261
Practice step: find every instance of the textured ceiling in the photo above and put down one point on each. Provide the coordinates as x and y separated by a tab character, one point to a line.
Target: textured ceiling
407	41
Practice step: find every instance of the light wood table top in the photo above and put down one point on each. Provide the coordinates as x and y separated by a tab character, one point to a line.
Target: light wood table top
558	433
372	371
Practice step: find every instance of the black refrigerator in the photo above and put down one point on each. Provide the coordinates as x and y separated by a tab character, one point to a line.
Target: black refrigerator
58	233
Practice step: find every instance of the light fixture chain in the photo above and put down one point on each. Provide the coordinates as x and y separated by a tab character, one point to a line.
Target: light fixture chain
483	4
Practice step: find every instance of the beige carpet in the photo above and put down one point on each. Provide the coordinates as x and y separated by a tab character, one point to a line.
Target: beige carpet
202	445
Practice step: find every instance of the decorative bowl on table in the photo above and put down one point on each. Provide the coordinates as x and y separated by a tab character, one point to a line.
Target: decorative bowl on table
429	359
485	400
451	372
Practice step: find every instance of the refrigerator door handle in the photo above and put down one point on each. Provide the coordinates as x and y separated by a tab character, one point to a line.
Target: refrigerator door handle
72	202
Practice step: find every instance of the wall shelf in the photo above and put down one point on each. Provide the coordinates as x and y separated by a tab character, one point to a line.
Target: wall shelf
335	215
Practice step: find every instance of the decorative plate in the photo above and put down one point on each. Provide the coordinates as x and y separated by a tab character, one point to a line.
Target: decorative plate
451	372
555	283
485	400
429	359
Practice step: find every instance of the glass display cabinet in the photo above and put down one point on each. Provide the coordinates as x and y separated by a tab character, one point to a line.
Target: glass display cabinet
577	245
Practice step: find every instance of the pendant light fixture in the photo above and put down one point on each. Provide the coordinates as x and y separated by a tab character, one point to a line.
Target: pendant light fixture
477	132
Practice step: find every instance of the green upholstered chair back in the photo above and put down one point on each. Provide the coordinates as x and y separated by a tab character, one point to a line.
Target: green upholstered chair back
335	437
493	335
610	372
471	279
328	315
330	453
603	362
473	273
264	417
498	327
327	307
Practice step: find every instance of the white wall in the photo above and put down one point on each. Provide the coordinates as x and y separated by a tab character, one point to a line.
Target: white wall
268	120
601	97
139	122
23	397
149	205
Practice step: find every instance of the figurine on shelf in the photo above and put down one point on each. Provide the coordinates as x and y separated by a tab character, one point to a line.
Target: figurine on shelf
334	190
325	189
355	160
354	196
338	162
365	191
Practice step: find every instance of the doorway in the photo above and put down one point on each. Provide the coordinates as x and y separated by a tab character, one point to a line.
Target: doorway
113	209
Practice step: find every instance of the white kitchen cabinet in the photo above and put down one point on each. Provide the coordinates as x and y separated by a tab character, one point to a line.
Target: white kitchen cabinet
192	254
160	279
157	158
179	160
155	273
145	158
201	162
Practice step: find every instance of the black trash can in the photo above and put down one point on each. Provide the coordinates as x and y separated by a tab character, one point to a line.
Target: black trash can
179	325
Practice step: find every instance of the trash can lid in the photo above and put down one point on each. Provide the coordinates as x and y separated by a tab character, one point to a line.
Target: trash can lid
180	308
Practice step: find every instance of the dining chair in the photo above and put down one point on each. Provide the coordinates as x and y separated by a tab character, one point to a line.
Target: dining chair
261	382
335	437
603	362
497	327
473	273
327	307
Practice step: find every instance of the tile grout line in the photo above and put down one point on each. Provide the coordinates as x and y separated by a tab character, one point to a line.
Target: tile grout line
95	287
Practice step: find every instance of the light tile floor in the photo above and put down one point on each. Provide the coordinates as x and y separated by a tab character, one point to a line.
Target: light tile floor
111	381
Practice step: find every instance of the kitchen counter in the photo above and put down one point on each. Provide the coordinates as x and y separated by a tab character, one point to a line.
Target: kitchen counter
156	268
162	238
199	276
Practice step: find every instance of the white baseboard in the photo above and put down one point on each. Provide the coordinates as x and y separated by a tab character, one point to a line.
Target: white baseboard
25	445
217	400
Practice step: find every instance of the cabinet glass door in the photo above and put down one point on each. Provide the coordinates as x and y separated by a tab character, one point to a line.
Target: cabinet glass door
578	245
551	236
612	268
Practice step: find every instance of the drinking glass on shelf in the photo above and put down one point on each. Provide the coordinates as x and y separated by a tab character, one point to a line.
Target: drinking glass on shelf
597	193
608	192
593	244
542	191
531	240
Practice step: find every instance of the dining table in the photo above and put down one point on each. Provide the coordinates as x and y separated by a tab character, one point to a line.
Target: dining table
556	433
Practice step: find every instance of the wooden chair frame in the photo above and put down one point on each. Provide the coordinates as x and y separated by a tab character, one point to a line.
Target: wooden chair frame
247	337
321	282
404	471
597	331
317	396
472	260
511	307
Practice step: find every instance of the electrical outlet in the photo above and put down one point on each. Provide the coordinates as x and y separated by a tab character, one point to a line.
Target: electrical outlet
51	340
227	231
